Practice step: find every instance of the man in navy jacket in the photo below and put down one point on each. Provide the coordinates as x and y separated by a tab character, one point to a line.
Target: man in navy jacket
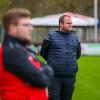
61	49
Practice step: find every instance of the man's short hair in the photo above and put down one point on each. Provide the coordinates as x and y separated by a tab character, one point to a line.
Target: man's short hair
13	15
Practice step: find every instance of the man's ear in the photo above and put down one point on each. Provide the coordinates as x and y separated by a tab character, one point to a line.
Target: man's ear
12	29
60	25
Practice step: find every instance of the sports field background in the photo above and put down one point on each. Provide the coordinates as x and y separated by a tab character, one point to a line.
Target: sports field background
88	79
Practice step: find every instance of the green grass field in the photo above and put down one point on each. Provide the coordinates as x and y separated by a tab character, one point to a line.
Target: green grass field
87	85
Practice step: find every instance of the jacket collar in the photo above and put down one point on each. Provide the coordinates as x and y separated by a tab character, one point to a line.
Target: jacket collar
65	33
8	38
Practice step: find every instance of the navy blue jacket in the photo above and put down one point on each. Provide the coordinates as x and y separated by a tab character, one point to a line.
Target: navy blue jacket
61	50
15	59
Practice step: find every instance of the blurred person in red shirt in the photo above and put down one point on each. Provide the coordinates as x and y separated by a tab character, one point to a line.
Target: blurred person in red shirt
22	77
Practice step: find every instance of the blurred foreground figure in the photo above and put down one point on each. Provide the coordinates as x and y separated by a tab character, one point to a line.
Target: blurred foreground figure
22	77
61	49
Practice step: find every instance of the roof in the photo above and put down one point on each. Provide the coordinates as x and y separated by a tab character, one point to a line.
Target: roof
52	20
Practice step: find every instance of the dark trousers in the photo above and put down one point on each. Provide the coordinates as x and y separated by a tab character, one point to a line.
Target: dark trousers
61	88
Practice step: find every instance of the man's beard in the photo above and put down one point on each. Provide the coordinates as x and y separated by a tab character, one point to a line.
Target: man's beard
67	30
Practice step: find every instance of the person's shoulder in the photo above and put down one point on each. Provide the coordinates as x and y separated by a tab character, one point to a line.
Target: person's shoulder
8	46
12	47
50	35
53	33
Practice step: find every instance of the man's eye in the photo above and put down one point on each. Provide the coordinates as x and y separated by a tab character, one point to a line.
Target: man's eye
68	23
26	25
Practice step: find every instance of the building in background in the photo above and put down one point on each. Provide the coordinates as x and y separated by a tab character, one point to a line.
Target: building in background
84	25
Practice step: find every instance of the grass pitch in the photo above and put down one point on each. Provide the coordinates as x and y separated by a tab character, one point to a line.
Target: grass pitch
87	85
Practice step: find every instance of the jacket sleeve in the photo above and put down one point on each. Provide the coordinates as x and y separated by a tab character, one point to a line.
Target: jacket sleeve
78	50
45	47
16	61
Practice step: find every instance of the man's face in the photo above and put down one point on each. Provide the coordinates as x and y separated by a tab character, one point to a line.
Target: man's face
66	25
24	29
